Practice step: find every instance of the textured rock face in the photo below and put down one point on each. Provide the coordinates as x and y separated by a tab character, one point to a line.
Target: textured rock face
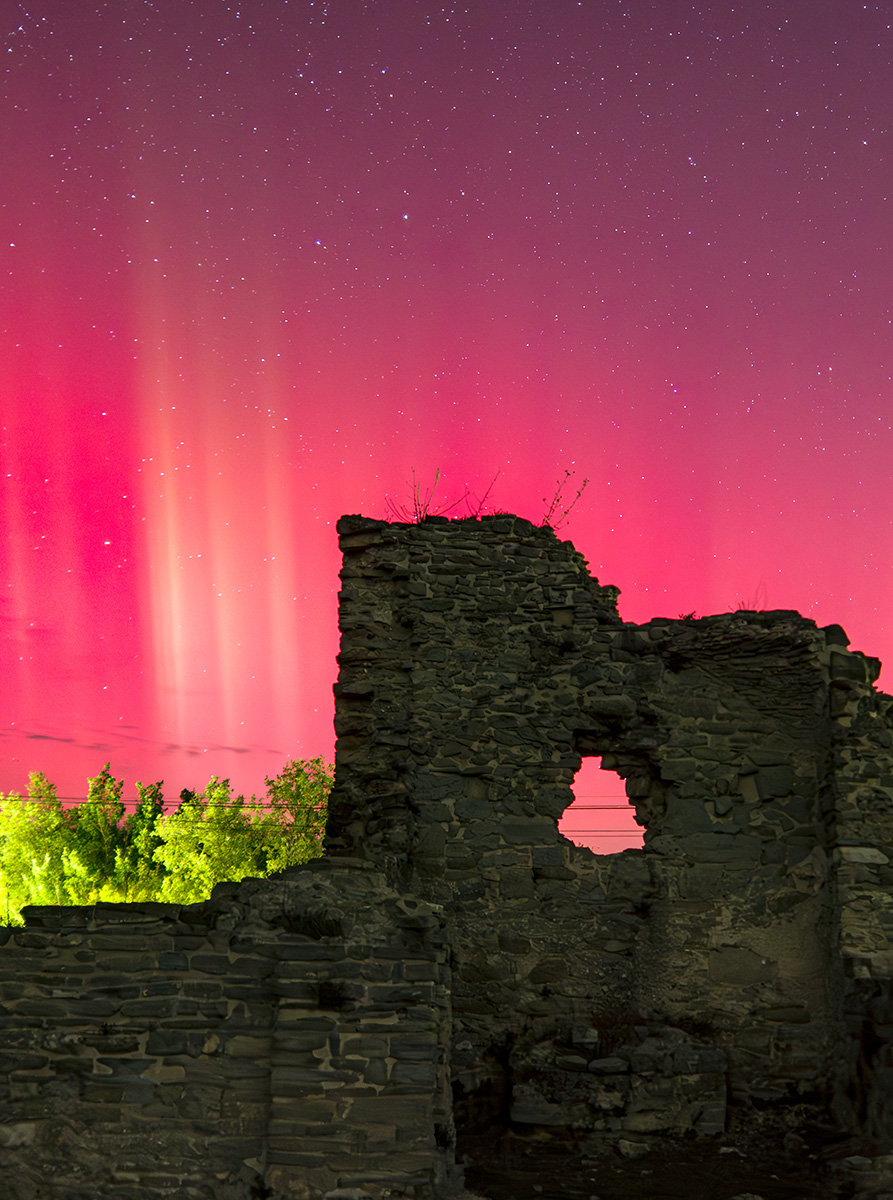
286	1038
455	965
479	662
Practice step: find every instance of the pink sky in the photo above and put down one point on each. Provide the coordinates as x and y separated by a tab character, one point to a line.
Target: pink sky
256	267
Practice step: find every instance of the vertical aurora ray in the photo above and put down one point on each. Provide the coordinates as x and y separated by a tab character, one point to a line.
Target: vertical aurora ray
229	559
73	614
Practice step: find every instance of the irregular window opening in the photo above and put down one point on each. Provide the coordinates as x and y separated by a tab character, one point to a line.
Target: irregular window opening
601	817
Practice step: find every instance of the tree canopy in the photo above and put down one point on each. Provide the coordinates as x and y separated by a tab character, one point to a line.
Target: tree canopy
96	850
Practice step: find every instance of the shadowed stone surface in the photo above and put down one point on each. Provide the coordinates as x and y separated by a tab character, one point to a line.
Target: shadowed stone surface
479	662
288	1034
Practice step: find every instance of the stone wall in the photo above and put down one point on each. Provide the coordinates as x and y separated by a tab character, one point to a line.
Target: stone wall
732	957
285	1039
455	974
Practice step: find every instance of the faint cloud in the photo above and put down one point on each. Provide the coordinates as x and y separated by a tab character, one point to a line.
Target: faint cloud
213	748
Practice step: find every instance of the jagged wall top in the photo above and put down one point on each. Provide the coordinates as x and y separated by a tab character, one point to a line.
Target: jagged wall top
480	661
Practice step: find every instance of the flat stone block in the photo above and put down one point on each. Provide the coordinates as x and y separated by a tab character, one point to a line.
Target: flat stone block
739	966
611	1065
862	854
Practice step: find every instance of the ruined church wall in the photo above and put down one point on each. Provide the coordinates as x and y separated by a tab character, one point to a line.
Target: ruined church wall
288	1034
300	1035
479	661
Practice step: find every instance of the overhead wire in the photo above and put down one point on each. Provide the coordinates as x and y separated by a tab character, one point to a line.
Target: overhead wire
574	807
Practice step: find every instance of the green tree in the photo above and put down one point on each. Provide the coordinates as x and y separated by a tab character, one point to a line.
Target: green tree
50	855
211	837
138	874
294	823
98	837
34	834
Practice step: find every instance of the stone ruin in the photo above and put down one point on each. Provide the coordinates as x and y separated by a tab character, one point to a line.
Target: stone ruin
455	979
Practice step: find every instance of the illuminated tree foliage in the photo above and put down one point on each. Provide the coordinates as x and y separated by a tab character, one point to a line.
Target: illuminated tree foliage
96	851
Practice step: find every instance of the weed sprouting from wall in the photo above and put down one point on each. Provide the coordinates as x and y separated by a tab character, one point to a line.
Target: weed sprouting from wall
421	503
559	508
757	601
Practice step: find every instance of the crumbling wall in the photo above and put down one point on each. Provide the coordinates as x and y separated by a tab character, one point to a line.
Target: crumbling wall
286	1038
302	1036
479	661
862	790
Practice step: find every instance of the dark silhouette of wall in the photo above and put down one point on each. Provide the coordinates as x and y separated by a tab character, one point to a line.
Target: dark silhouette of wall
454	966
479	662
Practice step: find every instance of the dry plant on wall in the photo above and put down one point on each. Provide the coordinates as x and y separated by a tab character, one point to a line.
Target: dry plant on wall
559	508
757	602
421	502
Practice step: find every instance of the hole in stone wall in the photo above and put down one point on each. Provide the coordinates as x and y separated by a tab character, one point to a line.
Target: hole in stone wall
601	817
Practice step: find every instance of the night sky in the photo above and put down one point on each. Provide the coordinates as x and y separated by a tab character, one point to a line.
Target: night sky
258	263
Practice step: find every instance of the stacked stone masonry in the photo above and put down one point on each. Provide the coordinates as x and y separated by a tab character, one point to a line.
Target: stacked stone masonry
746	949
454	964
286	1038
